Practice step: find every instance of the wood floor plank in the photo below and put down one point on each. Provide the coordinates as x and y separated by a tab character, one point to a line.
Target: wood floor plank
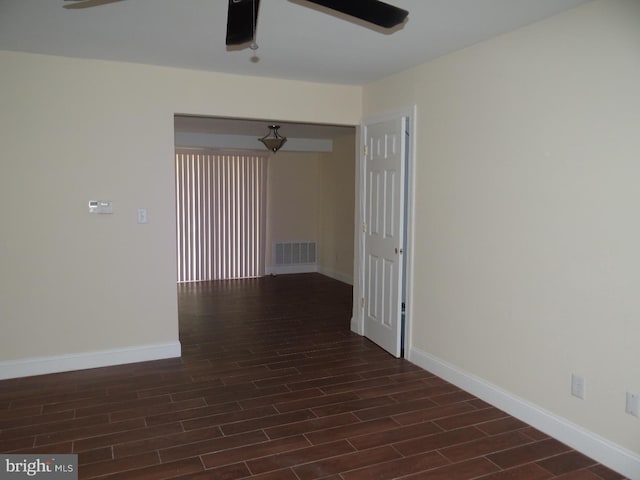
438	440
50	428
528	453
308	426
217	444
256	450
119	466
394	435
458	471
343	463
127	436
299	456
137	447
90	431
398	468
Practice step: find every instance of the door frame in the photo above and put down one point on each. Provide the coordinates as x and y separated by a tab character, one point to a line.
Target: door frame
357	319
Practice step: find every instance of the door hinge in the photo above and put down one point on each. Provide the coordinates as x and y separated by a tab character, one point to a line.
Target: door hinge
364	227
365	149
362	302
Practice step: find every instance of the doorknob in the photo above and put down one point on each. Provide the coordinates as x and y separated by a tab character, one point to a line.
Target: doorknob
398	251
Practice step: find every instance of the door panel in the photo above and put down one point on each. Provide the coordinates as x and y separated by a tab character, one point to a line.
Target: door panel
384	207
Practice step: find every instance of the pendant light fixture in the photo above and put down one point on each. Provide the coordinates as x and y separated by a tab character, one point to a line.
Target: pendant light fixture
272	140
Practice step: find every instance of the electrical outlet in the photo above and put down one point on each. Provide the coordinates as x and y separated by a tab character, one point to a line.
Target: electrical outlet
577	386
633	404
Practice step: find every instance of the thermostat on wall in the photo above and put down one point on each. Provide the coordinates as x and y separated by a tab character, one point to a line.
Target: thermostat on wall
100	206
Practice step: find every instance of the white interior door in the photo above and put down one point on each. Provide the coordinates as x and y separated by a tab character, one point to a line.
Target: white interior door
383	228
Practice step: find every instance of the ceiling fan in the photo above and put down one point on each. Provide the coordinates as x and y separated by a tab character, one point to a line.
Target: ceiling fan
242	14
88	3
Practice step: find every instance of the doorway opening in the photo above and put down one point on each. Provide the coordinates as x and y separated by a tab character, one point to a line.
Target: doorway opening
309	192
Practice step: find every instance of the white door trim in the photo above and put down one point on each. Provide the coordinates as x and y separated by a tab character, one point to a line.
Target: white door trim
357	320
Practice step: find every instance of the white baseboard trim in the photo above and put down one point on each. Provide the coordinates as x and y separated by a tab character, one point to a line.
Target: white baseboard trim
289	269
341	277
81	361
594	446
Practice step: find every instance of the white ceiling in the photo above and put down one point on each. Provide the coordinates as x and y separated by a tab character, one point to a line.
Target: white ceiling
297	40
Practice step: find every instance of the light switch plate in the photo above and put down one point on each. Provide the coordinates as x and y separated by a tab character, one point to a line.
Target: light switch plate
142	215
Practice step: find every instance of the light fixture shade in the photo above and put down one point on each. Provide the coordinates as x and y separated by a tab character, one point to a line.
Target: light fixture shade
272	140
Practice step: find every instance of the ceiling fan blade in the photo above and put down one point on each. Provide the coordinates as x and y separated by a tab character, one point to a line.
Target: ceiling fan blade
87	3
242	17
373	11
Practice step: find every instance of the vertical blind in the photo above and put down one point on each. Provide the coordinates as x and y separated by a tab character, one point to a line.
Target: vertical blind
220	201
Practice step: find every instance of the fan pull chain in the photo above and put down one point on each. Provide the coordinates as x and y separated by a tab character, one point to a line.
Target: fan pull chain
254	46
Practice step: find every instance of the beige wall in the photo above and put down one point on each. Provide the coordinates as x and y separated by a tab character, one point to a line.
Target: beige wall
311	197
336	219
527	227
292	199
75	130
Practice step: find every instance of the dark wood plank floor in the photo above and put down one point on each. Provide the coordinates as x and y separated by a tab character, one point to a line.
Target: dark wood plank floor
273	385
